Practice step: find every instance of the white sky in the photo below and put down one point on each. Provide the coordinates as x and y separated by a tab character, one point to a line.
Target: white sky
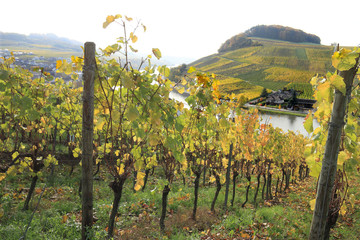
183	28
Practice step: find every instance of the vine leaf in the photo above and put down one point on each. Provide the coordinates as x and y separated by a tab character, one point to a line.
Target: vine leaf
338	82
308	124
156	52
342	157
132	113
181	90
344	59
191	70
110	19
312	204
133	37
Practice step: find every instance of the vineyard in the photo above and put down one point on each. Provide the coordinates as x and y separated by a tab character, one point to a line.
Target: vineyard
210	171
273	65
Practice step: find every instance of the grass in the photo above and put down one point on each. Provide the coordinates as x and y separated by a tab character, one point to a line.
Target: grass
59	215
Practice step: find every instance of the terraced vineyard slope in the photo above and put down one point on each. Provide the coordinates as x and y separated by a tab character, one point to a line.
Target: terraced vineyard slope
274	64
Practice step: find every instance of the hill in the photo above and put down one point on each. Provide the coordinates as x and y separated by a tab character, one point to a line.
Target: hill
275	32
278	32
40	44
271	64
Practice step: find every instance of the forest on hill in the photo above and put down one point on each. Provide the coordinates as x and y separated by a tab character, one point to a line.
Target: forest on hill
275	32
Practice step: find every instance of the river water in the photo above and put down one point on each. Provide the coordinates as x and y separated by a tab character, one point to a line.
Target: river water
285	122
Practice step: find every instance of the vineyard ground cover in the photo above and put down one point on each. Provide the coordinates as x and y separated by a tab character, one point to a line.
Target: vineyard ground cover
59	213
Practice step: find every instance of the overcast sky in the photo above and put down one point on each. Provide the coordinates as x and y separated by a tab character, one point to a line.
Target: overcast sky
183	28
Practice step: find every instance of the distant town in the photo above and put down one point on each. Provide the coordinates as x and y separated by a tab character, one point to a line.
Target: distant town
29	60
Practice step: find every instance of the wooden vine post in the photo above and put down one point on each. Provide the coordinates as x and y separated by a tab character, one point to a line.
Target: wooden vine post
329	163
87	139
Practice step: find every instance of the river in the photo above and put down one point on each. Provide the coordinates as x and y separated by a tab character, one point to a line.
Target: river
287	122
283	121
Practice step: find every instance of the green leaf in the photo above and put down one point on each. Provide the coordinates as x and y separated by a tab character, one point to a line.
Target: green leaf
4	74
132	113
314	166
164	71
344	59
26	103
133	49
156	52
338	82
127	81
2	86
33	115
308	123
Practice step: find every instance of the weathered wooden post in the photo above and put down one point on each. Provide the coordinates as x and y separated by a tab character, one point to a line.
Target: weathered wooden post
228	169
87	138
318	229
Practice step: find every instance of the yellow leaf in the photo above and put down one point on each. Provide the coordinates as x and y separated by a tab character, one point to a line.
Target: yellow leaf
99	124
14	155
191	70
58	64
109	19
117	152
342	157
133	37
2	176
64	219
128	18
338	82
312	204
181	90
343	210
156	52
137	187
120	169
225	162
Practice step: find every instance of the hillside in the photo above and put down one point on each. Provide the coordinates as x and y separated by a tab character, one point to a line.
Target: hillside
273	64
40	44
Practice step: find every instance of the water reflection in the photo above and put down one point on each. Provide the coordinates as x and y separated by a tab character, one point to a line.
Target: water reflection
286	122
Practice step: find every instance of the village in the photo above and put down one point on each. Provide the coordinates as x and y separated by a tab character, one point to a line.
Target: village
285	99
29	60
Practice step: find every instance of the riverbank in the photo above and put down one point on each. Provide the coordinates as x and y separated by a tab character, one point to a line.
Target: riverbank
279	111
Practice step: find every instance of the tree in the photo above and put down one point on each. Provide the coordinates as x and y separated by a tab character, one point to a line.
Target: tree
293	100
264	93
